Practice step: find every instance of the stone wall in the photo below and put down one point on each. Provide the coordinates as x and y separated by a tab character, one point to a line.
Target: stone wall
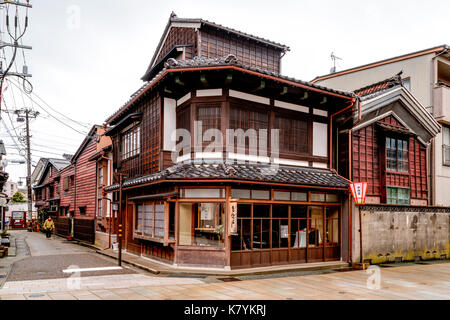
401	233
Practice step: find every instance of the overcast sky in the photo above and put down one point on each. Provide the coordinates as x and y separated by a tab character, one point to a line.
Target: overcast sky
88	56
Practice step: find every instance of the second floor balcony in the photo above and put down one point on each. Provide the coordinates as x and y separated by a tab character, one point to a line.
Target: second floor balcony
442	102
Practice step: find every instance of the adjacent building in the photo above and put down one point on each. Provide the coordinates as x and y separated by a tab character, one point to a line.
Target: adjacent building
426	74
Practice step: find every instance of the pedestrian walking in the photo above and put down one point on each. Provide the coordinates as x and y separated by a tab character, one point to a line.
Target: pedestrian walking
49	226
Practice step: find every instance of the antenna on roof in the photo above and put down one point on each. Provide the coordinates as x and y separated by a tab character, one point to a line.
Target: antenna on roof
334	58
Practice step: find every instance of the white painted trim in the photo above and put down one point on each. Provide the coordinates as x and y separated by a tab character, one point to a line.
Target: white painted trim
170	123
210	93
320	165
250	158
209	155
288	162
184	158
291	106
184	99
320	139
321	113
249	97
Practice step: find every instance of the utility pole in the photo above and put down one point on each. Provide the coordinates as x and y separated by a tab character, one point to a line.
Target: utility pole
15	36
120	233
28	113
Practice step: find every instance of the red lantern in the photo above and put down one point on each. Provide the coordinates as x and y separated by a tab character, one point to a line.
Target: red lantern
359	192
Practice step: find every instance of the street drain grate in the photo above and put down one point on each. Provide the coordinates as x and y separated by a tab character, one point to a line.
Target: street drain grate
186	276
344	270
386	265
2	276
37	295
229	279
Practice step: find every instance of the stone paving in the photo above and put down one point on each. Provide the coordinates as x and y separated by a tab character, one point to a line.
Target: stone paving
429	282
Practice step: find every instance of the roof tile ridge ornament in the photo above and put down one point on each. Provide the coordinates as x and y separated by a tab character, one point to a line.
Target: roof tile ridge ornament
171	62
231	59
229	170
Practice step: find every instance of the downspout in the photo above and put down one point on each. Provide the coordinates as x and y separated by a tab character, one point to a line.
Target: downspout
72	231
432	161
110	205
354	100
110	219
350	177
331	128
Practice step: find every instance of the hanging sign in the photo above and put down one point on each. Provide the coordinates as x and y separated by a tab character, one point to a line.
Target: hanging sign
359	192
232	218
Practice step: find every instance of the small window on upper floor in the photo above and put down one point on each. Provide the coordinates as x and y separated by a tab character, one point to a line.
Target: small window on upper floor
446	145
397	155
131	143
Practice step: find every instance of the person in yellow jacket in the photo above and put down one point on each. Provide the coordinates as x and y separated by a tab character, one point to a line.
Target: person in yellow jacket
49	226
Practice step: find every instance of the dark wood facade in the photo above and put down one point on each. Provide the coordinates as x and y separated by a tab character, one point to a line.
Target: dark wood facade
369	161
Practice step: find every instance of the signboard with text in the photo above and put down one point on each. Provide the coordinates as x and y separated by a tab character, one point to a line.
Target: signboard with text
359	192
232	218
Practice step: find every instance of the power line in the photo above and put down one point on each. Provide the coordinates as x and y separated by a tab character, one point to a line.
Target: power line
54	117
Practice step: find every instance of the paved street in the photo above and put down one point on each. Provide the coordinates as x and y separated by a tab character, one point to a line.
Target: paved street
41	276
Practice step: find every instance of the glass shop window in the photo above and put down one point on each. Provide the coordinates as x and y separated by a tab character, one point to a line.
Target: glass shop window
150	220
202	224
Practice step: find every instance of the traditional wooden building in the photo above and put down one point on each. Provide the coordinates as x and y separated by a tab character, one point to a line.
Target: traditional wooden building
265	150
47	193
106	218
389	144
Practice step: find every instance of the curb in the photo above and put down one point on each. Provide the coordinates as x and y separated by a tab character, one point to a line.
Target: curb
134	264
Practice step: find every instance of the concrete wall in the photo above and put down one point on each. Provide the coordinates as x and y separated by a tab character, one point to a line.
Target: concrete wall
391	232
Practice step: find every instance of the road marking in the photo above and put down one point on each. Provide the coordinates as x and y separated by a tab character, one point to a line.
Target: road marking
92	269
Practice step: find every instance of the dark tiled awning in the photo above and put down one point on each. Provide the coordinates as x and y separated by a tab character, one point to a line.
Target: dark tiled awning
191	171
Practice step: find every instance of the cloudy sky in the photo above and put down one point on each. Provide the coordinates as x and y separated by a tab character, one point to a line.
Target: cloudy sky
88	56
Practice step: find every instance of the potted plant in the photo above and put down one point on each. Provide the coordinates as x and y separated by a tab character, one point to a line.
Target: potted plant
4	234
220	230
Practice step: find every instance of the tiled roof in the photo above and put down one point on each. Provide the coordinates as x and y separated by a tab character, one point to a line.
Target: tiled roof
381	86
59	164
242	172
230	60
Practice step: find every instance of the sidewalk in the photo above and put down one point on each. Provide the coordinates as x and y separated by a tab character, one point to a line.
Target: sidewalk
163	269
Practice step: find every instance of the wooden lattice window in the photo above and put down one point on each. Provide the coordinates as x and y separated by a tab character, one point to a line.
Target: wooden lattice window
210	117
131	143
294	134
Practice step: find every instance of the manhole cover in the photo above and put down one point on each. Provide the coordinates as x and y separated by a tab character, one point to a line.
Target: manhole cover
229	279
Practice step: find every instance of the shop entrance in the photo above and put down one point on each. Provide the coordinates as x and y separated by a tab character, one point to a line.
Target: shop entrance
277	234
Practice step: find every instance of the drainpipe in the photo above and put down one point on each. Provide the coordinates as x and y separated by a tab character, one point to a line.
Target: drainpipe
110	219
432	160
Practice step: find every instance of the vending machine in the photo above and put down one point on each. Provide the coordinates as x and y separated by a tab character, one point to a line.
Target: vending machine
18	220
